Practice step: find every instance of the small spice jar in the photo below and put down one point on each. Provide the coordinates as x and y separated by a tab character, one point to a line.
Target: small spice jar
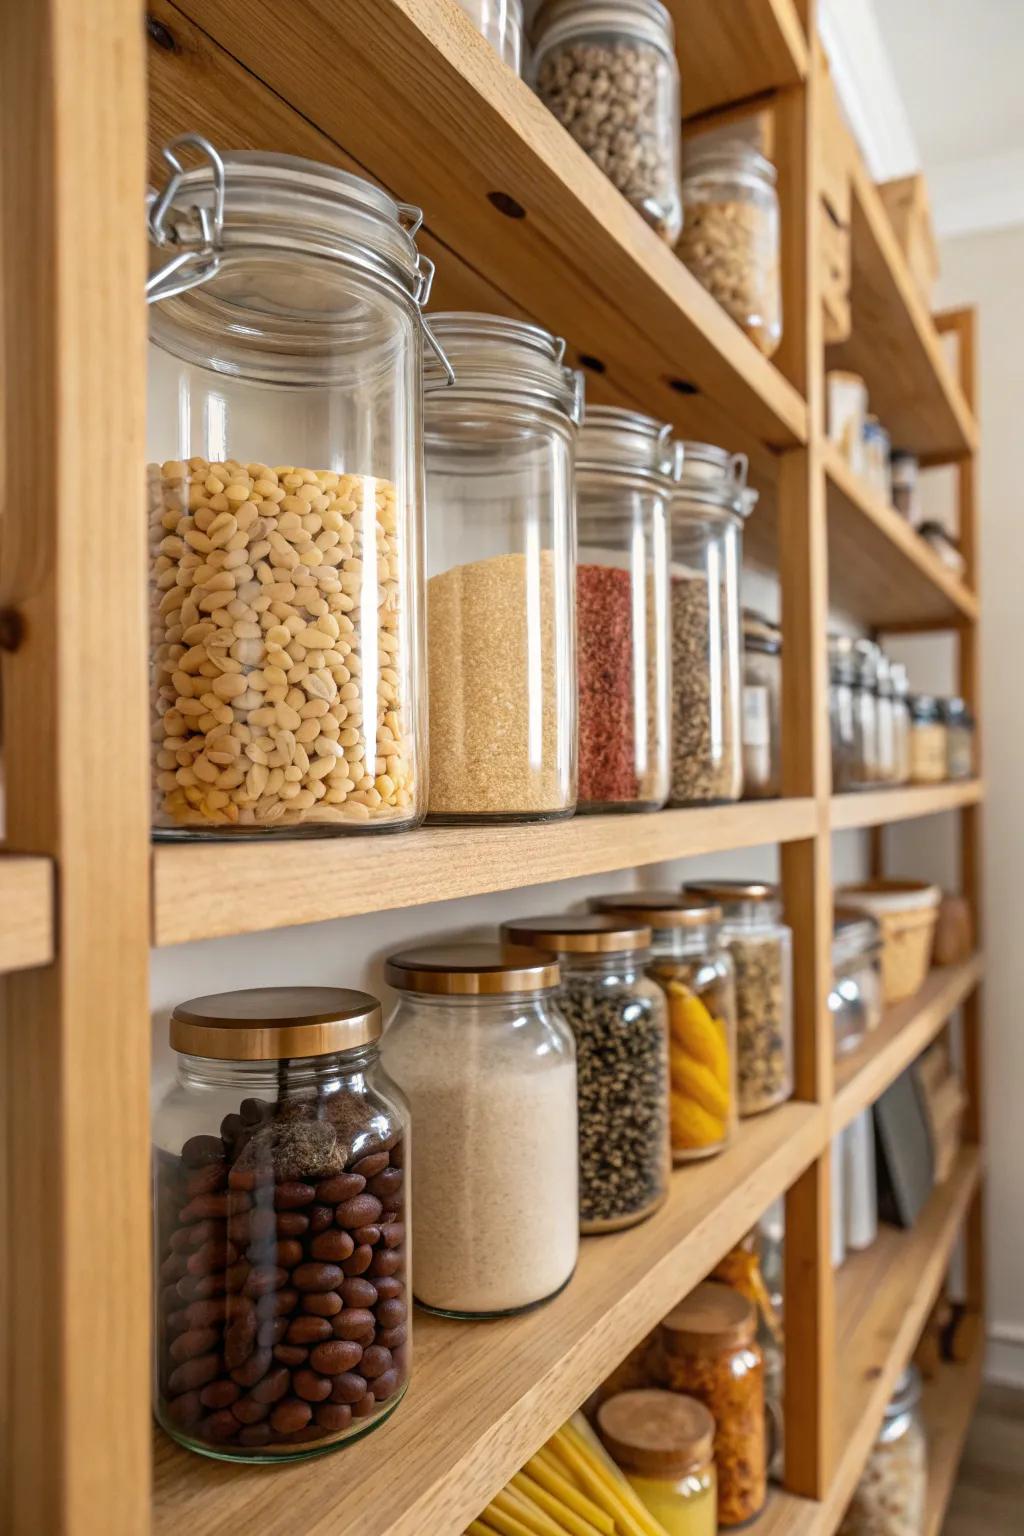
904	469
761	947
689	962
501	621
886	766
618	1020
608	72
709	1350
901	721
927	740
706	514
762	706
622	621
664	1443
842	668
489	1068
960	731
865	715
731	235
282	1316
501	22
855	1001
890	1498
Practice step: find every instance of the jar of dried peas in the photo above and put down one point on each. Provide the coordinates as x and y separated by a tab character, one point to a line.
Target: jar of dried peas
285	498
690	963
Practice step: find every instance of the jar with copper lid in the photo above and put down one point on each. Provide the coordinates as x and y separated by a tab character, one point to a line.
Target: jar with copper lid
477	1043
693	968
664	1444
282	1313
708	1349
618	1020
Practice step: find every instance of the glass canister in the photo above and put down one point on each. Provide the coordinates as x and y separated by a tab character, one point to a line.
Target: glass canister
762	707
689	962
960	731
901	720
865	715
927	740
886	766
761	947
501	615
282	1313
618	1020
285	499
664	1443
501	22
891	1496
622	618
842	673
706	515
731	235
709	1350
608	72
855	1001
751	1268
489	1066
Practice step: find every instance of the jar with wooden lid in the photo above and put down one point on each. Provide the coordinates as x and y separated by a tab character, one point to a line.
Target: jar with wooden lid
478	1045
960	731
664	1443
618	1020
282	1312
708	1349
691	965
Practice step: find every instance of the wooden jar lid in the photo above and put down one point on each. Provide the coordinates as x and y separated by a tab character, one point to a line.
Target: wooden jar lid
656	1434
713	1318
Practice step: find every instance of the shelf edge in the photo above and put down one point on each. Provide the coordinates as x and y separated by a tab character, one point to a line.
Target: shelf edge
878	807
27	893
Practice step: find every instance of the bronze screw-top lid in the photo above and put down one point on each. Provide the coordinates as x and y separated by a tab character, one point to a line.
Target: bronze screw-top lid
656	1434
713	1318
467	970
661	909
728	891
271	1023
578	933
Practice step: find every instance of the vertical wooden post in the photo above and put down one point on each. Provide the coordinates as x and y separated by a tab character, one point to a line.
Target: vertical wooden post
75	1035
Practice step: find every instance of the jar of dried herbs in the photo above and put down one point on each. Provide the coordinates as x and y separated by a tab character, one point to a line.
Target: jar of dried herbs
688	961
761	946
618	1020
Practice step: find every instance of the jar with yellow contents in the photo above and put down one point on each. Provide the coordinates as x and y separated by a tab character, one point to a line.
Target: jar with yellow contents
695	971
664	1443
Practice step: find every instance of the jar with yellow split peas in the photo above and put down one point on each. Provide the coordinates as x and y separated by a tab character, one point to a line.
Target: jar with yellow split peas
695	971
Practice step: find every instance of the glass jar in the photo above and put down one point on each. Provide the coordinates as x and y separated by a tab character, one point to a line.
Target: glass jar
622	622
608	72
695	971
901	721
285	499
706	515
842	669
709	1350
904	469
960	729
762	707
282	1318
891	1496
877	449
501	22
742	1270
618	1020
865	715
731	235
489	1068
761	947
855	1001
885	721
927	740
664	1444
501	617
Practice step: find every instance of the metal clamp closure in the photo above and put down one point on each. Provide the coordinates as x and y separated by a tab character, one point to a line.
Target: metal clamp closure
195	263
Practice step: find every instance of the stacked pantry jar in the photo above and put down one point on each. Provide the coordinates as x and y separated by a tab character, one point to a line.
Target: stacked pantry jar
282	1315
285	500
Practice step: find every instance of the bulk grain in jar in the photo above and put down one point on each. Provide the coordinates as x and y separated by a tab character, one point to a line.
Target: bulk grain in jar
622	621
478	1045
285	498
664	1443
501	616
618	1020
706	515
282	1308
891	1497
608	72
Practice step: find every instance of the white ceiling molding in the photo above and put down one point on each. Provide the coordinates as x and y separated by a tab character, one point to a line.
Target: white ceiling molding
969	196
866	86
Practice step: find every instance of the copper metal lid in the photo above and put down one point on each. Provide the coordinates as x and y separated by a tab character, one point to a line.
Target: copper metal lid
713	1317
466	970
271	1023
656	1434
729	891
661	909
578	933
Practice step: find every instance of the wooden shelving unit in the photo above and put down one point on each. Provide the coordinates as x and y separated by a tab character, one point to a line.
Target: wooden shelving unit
518	221
947	1407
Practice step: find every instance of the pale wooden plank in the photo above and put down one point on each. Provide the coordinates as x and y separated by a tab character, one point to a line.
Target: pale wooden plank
947	1408
877	806
26	905
730	52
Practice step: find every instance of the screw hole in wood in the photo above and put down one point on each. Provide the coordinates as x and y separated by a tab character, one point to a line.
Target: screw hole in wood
506	205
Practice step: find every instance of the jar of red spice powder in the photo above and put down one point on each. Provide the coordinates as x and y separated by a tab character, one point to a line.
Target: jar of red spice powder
623	464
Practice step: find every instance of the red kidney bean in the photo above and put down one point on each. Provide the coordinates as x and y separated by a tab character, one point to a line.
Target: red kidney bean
316	1277
391	1338
359	1261
384	1385
200	1150
251	1178
348	1387
311	1387
185	1410
277	1304
320	1218
212	1257
386	1185
208	1180
272	1331
323	1304
264	1278
368	1236
393	1234
256	1435
388	1261
236	1306
237	1275
239	1341
308	1330
273	1386
333	1417
290	1194
175	1265
290	1355
391	1313
333	1245
254	1369
194	1373
354	1323
388	1286
181	1239
398	1155
356	1292
287	1253
336	1356
220	1394
344	1186
177	1322
214	1206
248	1411
198	1341
239	1200
204	1314
371	1165
262	1224
291	1223
290	1415
365	1406
209	1230
355	1213
375	1361
219	1426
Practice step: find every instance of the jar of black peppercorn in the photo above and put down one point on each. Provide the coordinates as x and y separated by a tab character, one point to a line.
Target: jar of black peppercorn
282	1323
619	1022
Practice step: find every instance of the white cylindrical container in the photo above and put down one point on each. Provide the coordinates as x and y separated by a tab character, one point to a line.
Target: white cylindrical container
859	1190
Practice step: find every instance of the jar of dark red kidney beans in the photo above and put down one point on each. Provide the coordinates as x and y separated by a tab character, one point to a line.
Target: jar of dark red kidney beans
282	1310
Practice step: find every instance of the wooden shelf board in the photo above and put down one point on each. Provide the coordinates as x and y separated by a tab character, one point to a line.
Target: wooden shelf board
433	114
895	345
206	890
880	569
876	807
731	52
26	901
484	1396
906	1029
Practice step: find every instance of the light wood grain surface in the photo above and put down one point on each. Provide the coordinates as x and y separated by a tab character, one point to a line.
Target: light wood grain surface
876	807
731	52
951	1412
26	912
